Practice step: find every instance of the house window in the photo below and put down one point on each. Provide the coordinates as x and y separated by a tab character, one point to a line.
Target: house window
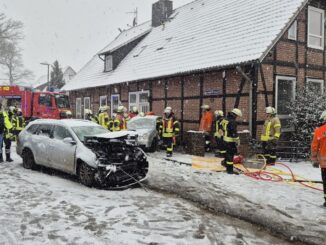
108	63
316	28
103	100
139	99
115	102
87	104
78	108
292	33
315	85
285	93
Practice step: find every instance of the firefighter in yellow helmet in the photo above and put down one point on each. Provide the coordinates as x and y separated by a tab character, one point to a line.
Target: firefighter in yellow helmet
270	135
103	117
219	133
169	129
18	122
231	138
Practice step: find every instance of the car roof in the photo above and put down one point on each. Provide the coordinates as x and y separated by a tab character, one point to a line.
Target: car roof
152	117
65	122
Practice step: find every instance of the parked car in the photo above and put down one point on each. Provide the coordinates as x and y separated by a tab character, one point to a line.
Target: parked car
85	149
146	128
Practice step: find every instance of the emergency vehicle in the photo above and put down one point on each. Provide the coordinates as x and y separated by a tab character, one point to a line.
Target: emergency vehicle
36	104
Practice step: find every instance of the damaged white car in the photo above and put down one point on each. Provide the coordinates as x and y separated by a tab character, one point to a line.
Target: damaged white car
85	149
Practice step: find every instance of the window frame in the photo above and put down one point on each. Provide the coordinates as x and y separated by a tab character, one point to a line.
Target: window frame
41	96
321	11
112	106
106	100
79	115
60	126
89	99
106	59
139	104
294	82
313	80
295	26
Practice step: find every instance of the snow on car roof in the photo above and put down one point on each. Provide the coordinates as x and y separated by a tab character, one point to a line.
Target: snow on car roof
203	34
66	122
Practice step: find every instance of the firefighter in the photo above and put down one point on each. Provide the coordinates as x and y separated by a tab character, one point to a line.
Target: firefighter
318	150
231	138
169	129
103	117
89	116
270	135
111	122
219	121
7	134
134	112
18	122
206	123
120	122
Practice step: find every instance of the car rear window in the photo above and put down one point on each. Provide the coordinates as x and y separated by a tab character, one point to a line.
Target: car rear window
45	130
32	129
60	133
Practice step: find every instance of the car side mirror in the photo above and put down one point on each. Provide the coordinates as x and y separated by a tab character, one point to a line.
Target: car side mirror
69	140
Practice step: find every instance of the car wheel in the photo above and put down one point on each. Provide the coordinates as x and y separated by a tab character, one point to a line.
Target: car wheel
153	147
86	175
28	159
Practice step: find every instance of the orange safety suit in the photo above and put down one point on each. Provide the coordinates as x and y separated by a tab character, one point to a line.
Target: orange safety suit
206	122
318	146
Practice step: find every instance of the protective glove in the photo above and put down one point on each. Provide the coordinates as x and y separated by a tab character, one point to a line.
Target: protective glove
315	164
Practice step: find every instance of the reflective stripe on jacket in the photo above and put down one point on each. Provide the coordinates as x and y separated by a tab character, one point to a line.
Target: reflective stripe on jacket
169	127
230	130
18	123
219	131
120	123
271	130
103	118
318	146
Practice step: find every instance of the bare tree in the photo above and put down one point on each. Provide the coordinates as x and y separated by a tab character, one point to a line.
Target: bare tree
10	29
11	60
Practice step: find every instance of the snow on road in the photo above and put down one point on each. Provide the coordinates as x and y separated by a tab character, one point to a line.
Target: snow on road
37	208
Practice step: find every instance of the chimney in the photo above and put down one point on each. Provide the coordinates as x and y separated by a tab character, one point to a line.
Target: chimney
161	11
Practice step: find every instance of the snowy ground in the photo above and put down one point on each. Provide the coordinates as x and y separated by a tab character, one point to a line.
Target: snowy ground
293	211
37	208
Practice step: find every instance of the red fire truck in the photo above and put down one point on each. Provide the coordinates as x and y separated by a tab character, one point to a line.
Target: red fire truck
36	104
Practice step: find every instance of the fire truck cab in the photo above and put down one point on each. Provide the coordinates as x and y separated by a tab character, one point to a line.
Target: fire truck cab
36	105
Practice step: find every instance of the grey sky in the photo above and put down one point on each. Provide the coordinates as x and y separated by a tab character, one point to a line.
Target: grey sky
71	31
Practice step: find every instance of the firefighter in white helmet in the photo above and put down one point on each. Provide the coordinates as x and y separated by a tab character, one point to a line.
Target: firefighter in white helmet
169	129
89	116
68	114
103	117
205	126
231	138
270	135
134	112
120	121
219	133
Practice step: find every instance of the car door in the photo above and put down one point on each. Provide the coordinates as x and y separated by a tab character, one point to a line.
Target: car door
62	154
41	143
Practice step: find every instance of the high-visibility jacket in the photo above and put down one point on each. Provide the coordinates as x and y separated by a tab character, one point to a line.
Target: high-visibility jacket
170	127
271	129
103	119
120	123
206	122
18	123
230	130
219	131
111	125
8	126
318	146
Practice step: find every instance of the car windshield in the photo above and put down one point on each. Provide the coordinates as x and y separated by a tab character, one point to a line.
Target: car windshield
141	123
62	101
82	131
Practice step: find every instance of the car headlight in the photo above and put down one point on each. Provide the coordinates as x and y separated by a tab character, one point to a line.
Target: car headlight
144	136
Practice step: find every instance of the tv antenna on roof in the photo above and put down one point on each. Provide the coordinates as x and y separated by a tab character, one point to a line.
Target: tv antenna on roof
135	20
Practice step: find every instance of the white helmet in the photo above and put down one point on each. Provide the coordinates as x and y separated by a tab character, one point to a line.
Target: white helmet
219	113
168	109
270	110
135	109
88	111
141	114
19	110
120	108
323	116
237	112
206	107
68	113
11	108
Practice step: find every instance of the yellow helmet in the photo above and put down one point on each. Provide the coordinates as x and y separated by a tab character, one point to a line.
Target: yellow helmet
270	110
219	113
120	108
237	112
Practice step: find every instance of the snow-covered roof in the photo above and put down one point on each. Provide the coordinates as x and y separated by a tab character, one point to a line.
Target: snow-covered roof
200	35
127	36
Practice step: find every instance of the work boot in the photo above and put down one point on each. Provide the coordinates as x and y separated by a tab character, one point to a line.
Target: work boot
8	158
325	204
229	170
1	158
169	154
223	163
